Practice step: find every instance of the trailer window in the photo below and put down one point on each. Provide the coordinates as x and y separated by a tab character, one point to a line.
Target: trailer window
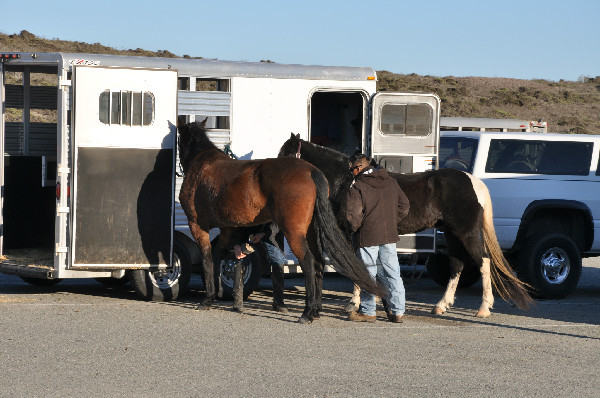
126	108
406	119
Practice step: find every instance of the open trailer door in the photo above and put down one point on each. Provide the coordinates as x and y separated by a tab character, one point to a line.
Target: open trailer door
123	167
405	139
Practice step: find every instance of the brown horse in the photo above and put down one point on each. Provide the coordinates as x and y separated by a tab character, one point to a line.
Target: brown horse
456	202
220	192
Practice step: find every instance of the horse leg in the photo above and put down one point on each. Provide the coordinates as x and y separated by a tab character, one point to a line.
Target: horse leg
203	241
487	299
447	300
354	301
474	247
299	247
318	267
238	287
277	279
318	290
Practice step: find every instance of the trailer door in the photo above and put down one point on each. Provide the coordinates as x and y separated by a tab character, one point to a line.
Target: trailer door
405	139
123	167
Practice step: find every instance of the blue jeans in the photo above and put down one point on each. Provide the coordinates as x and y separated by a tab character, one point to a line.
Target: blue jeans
275	256
382	262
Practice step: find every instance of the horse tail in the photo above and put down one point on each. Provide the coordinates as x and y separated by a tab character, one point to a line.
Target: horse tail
503	278
331	239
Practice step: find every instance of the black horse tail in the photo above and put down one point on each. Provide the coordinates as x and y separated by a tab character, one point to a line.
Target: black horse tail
332	241
504	280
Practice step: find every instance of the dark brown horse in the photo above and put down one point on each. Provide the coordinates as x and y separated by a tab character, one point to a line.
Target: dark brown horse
456	202
220	192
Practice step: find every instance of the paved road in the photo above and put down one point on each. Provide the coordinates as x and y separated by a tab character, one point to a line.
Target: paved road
82	338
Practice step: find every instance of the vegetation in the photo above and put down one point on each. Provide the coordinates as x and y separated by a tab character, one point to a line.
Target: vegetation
567	106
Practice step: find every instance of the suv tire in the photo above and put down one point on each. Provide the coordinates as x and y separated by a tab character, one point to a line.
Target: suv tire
551	263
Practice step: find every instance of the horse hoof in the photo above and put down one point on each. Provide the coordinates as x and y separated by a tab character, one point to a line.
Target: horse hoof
483	314
304	320
280	308
437	311
351	307
238	309
202	307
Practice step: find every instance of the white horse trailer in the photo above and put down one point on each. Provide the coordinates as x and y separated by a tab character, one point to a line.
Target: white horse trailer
89	166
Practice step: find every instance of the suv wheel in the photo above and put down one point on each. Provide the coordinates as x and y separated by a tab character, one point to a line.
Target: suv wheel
551	264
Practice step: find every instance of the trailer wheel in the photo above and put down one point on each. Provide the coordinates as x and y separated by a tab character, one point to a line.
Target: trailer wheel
251	272
167	284
439	270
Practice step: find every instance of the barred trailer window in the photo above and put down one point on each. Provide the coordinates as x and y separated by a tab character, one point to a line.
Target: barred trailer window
406	119
126	108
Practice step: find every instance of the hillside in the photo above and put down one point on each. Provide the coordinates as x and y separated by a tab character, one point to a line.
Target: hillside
568	107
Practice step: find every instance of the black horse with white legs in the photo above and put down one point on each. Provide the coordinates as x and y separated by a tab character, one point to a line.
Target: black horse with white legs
451	200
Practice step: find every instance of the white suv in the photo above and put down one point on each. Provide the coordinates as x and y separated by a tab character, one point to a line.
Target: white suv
545	190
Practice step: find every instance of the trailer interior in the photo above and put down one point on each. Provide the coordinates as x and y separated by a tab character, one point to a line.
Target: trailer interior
29	160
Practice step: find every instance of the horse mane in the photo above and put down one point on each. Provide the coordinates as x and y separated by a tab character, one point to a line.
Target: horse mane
199	140
192	140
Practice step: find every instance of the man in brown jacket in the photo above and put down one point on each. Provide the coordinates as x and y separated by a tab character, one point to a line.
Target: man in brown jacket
374	205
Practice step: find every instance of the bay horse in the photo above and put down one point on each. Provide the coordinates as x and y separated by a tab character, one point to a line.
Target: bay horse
451	200
220	192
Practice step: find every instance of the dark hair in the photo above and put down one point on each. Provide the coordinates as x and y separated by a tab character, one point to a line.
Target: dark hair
358	157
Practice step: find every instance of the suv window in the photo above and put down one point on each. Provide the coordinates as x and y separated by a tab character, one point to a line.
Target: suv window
458	153
539	157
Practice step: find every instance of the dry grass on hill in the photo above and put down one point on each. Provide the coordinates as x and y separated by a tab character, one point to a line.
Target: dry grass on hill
568	107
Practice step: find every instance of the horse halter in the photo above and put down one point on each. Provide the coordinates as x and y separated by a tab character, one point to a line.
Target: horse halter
298	152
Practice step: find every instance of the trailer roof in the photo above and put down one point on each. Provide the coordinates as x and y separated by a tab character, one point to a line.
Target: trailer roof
208	68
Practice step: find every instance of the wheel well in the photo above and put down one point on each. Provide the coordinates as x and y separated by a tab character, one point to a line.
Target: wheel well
574	221
190	245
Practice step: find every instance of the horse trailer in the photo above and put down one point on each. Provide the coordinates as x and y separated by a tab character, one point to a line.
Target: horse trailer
89	171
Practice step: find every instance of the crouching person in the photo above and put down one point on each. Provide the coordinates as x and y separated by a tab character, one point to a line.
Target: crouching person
374	205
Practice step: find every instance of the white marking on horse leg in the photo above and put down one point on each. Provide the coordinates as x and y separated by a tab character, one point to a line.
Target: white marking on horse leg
447	300
487	299
354	301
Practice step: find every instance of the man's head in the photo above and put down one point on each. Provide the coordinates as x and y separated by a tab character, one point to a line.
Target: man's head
358	162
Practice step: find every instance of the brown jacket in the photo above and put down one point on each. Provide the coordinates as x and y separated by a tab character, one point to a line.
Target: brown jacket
374	205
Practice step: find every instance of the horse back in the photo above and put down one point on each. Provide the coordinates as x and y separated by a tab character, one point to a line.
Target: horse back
226	192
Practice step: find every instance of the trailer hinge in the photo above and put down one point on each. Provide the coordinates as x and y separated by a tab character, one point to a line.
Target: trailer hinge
64	82
63	210
65	170
61	249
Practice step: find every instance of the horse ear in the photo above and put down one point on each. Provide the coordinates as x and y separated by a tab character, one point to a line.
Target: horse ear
203	123
297	136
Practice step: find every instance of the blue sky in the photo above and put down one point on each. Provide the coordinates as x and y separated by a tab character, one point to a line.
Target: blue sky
524	39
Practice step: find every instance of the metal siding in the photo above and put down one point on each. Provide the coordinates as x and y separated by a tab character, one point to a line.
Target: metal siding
206	103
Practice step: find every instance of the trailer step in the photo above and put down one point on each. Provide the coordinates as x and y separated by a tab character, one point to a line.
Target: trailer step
30	271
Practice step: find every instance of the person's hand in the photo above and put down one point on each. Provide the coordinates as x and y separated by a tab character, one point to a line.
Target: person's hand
237	249
257	237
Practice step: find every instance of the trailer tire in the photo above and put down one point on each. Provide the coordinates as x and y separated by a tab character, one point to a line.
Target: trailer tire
164	285
439	270
252	272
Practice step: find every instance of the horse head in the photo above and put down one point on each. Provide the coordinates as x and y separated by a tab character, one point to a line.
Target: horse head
190	134
291	147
